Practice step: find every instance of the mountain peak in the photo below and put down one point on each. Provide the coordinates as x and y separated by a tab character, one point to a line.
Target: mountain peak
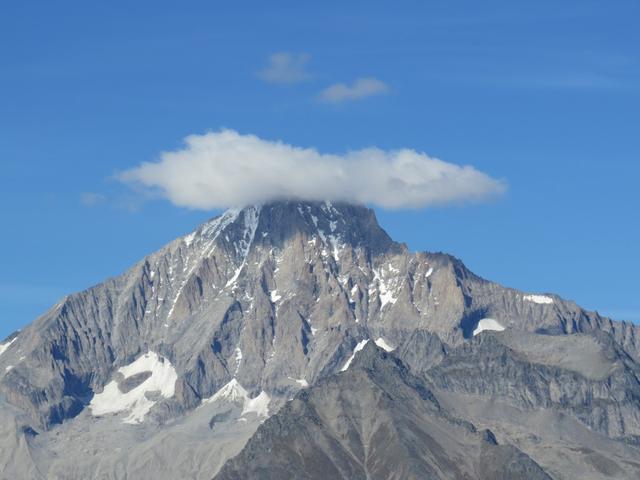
273	223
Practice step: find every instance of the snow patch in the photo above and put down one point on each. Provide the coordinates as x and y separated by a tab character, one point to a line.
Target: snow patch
541	299
188	239
217	225
274	296
5	346
238	358
385	289
9	368
386	297
334	241
235	393
488	324
301	381
359	347
162	380
382	343
231	392
429	272
258	405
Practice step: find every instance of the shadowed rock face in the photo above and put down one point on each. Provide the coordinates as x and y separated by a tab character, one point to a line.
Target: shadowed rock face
278	297
375	421
378	420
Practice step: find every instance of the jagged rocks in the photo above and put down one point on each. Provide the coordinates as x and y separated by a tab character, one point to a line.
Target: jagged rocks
278	297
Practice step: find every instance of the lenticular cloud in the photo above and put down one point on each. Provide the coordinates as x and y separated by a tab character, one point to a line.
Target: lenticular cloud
225	168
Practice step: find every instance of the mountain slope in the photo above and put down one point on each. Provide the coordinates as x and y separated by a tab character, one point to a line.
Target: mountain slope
274	297
261	281
570	402
374	421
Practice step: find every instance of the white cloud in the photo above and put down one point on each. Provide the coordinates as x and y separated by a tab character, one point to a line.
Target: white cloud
225	168
360	88
284	67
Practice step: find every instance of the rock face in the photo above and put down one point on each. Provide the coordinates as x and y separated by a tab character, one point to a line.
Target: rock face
571	402
374	421
275	298
599	387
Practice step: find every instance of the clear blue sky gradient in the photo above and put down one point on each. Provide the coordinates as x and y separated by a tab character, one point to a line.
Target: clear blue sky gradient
542	94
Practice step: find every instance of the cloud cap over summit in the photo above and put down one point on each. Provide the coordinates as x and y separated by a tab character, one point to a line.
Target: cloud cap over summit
226	168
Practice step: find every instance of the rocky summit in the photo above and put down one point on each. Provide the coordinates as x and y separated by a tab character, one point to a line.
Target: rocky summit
297	340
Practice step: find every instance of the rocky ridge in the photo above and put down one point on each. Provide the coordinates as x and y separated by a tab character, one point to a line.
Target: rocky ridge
274	298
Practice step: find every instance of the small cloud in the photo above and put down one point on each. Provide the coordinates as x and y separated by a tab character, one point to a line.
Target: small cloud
223	169
361	88
91	199
285	67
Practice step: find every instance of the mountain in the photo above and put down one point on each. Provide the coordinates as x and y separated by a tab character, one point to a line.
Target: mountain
169	369
328	432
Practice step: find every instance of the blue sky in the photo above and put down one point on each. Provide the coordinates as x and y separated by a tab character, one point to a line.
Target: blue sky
543	95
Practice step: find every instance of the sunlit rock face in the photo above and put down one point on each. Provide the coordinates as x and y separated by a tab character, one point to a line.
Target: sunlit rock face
271	298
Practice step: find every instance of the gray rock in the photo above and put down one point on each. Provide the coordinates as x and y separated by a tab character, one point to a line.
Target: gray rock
571	402
278	297
374	421
606	397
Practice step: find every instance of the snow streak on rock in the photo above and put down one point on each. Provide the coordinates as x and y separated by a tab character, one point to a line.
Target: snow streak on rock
359	347
5	346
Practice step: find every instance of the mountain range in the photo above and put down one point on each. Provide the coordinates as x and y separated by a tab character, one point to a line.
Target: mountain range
298	340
